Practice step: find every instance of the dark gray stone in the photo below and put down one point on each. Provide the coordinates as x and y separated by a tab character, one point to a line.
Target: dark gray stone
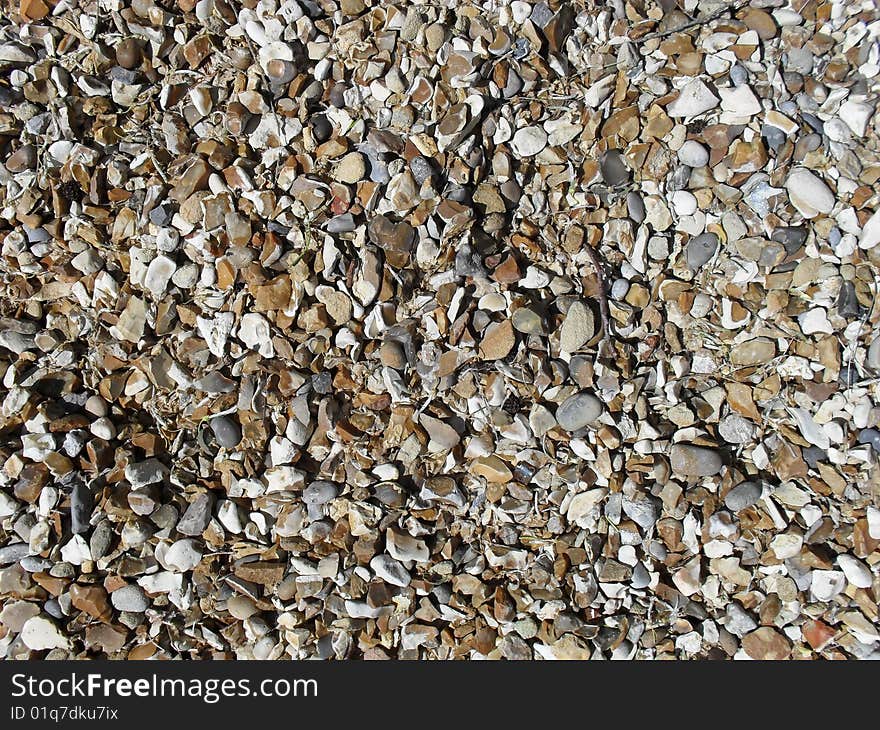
791	238
468	262
774	136
847	304
81	505
743	495
635	207
226	431
322	383
614	169
700	249
197	516
813	455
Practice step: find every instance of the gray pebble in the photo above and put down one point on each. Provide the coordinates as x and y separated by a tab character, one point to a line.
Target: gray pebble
226	431
641	578
847	304
739	622
619	289
420	168
13	553
870	436
774	136
743	495
321	127
80	508
215	383
101	539
322	383
53	608
679	179
813	455
614	169
578	411
151	471
799	60
791	238
635	207
74	441
319	492
738	74
197	516
36	564
700	249
341	224
130	598
468	262
644	512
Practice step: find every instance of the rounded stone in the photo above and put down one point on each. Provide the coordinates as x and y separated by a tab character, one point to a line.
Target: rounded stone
130	598
700	249
392	355
614	169
527	321
226	431
529	141
693	154
743	496
128	54
809	193
695	461
578	411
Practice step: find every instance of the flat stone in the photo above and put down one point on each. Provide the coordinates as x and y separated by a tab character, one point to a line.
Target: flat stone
527	321
390	570
226	431
578	411
130	598
766	643
700	249
808	193
695	461
529	141
578	327
742	496
856	572
40	633
694	99
614	169
753	352
498	340
197	516
92	600
350	169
